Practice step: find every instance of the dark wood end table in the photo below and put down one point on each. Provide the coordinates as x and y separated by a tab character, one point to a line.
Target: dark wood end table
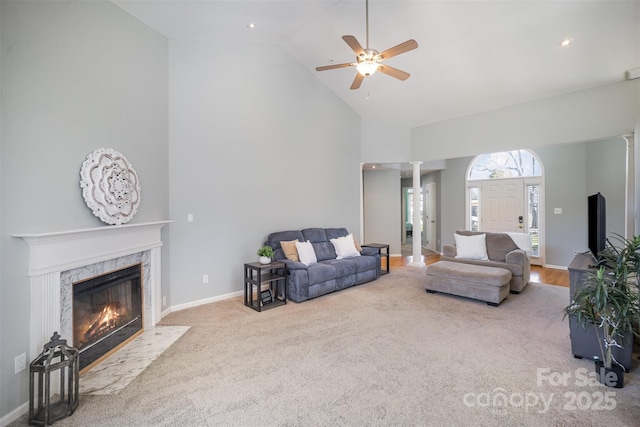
380	247
265	285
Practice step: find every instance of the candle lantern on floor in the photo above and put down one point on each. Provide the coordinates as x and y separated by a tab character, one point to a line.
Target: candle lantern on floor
63	363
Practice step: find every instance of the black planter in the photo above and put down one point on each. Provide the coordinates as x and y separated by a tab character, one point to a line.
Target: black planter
611	377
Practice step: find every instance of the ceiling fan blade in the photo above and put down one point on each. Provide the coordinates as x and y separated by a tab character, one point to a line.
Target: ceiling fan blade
393	72
357	81
397	50
354	44
333	67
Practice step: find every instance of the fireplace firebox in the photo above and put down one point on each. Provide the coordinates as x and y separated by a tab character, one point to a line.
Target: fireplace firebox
107	312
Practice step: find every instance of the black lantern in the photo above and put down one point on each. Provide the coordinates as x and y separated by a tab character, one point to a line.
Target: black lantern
56	357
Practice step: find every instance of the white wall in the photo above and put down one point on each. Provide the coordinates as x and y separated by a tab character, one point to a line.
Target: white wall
251	153
75	76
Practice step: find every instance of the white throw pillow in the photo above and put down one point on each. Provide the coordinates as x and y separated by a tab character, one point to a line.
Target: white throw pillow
306	253
345	247
471	247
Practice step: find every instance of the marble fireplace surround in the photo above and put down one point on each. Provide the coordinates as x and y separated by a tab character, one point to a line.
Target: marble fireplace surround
58	259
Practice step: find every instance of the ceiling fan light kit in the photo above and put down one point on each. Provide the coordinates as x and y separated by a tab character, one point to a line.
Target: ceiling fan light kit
368	61
367	67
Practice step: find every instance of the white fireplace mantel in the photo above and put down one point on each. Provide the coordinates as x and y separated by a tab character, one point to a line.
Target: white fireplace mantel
52	253
64	250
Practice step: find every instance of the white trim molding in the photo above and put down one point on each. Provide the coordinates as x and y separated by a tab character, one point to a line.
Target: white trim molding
630	188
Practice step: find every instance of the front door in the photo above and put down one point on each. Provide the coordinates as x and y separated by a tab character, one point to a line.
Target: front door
502	205
430	215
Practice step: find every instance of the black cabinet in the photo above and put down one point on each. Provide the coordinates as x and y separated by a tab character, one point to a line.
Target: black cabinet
584	342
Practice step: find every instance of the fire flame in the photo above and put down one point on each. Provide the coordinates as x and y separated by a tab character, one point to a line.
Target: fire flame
106	320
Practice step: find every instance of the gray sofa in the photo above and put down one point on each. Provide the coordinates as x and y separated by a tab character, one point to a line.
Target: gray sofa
329	274
502	252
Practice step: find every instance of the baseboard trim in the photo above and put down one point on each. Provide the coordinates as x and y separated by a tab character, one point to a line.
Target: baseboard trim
24	408
197	303
15	414
556	267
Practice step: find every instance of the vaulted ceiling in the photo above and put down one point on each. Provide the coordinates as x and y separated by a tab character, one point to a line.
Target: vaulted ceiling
473	56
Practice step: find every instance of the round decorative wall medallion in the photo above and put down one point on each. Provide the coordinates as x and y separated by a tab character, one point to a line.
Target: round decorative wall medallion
110	186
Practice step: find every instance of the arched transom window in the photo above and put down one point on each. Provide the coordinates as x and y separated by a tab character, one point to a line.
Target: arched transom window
505	164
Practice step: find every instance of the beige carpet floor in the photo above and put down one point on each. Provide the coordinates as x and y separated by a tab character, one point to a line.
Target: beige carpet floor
381	354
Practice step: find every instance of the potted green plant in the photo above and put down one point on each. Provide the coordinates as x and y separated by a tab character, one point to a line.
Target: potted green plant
608	300
265	253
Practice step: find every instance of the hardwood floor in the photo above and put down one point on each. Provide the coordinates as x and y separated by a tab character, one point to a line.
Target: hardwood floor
550	276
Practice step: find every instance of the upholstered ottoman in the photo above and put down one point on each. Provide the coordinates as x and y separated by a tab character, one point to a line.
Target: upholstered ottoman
489	284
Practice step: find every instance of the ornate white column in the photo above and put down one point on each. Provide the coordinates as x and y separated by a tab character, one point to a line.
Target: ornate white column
417	235
630	189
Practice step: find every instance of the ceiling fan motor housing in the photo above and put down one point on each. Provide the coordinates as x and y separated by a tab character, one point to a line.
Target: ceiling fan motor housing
370	54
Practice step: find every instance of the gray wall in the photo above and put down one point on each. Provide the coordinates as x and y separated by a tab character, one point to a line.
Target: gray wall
565	187
251	153
452	206
599	114
384	143
606	173
75	76
593	114
247	153
383	208
572	172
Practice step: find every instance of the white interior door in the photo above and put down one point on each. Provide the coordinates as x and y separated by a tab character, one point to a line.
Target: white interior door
430	215
502	205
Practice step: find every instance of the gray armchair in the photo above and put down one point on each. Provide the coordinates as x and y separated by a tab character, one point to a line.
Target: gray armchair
502	252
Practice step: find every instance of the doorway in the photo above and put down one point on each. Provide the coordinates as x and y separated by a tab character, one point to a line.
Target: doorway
427	230
429	190
505	193
410	231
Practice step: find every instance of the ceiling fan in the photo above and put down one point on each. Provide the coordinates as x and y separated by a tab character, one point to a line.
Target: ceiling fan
368	61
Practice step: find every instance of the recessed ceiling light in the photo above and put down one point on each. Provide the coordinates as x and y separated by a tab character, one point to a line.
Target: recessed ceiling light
566	42
251	25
